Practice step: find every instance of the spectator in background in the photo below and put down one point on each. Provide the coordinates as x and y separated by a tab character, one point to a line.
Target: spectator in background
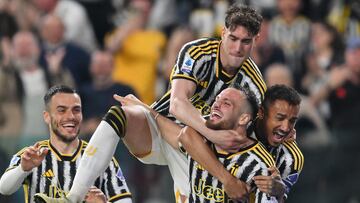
290	31
178	38
265	53
74	59
78	28
345	16
97	97
342	90
326	51
137	51
26	81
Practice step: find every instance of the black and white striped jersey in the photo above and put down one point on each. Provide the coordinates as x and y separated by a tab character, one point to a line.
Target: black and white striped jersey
290	161
56	173
245	164
199	61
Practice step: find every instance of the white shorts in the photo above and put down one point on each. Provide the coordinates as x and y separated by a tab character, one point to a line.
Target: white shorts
164	154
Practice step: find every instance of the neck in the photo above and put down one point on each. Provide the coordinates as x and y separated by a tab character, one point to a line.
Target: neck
289	18
64	147
260	133
102	83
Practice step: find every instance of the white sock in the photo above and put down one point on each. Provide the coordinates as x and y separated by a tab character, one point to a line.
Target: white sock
93	163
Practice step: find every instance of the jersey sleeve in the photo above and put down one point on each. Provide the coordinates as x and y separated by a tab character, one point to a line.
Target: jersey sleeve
114	185
15	160
186	67
290	165
250	77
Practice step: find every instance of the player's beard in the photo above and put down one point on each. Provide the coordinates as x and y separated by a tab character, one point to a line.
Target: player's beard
62	137
222	125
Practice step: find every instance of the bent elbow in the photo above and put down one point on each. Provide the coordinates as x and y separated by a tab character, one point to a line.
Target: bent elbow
184	137
174	106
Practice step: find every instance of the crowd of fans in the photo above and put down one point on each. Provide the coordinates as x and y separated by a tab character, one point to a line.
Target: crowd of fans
103	47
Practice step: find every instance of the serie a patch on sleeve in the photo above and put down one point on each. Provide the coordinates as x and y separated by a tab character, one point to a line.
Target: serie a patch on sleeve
120	174
14	160
187	65
290	181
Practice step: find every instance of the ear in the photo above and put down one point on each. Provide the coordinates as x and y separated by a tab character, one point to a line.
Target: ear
244	119
256	38
46	116
260	113
223	30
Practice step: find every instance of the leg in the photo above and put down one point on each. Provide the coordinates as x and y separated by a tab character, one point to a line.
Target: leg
118	121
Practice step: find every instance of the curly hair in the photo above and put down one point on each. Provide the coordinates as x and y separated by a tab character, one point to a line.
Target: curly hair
243	16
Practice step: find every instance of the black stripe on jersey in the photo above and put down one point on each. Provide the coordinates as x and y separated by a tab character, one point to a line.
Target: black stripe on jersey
294	155
73	169
162	105
48	167
297	155
199	47
38	178
61	176
116	118
264	155
204	52
205	74
254	77
185	49
248	169
109	185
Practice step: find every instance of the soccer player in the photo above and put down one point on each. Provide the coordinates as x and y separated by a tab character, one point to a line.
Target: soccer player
49	166
232	109
203	68
276	119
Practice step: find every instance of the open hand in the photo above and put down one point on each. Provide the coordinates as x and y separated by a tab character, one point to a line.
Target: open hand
32	157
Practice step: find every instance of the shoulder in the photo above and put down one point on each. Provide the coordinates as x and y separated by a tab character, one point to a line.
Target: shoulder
261	152
193	48
291	150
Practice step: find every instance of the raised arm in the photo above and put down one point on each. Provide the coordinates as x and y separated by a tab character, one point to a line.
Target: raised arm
20	168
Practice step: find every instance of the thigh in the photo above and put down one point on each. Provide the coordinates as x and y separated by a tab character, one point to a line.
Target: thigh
138	136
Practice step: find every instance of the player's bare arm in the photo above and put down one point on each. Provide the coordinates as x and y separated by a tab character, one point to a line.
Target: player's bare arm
195	146
184	111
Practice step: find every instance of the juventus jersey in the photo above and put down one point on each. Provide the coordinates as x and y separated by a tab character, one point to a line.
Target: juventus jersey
199	62
56	173
290	161
245	164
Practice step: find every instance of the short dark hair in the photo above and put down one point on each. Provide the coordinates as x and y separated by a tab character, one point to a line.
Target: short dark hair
281	92
250	97
57	89
243	16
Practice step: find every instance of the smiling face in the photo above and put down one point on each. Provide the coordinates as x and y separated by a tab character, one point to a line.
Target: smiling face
236	46
279	121
226	110
64	116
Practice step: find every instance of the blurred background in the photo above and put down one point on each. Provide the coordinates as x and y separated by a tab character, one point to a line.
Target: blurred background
312	45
